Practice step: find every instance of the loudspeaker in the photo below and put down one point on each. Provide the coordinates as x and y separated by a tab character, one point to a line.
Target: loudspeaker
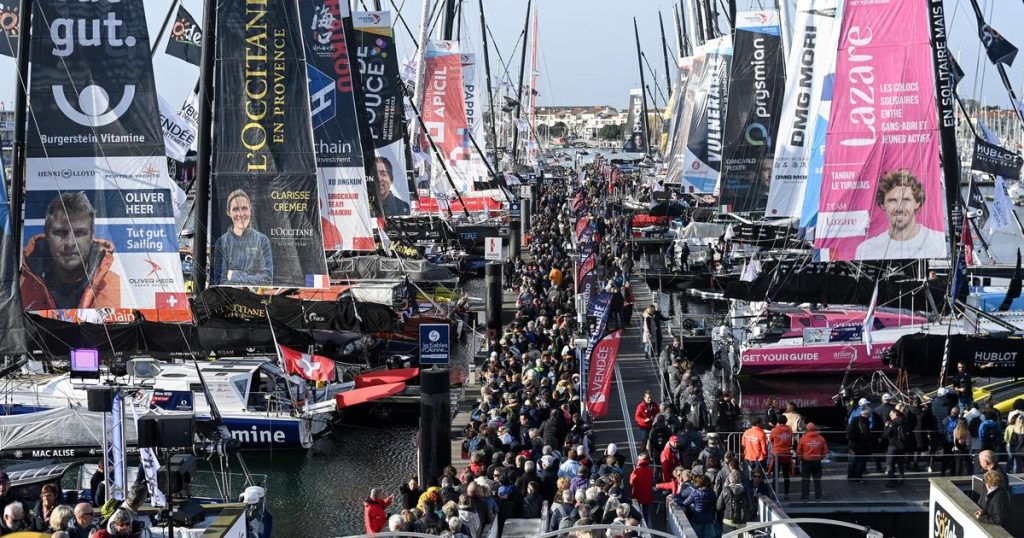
173	477
101	399
189	514
159	431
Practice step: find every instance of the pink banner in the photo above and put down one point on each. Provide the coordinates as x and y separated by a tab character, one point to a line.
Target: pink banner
602	371
881	193
585	267
444	106
581	225
820	359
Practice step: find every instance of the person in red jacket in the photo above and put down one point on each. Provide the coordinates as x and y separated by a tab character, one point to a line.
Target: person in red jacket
644	416
671	456
641	483
811	449
374	511
781	438
755	446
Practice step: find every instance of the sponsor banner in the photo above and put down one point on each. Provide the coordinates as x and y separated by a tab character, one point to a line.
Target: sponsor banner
674	110
1002	207
992	159
581	225
475	168
9	28
341	178
377	59
882	195
190	112
810	64
587	286
757	82
635	132
99	236
186	39
179	135
598	308
586	267
976	203
444	113
811	358
702	160
264	212
689	74
601	370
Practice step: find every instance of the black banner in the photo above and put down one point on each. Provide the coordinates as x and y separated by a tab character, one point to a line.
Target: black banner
264	207
992	159
752	121
9	29
921	354
976	202
186	40
381	96
999	50
92	92
635	132
12	325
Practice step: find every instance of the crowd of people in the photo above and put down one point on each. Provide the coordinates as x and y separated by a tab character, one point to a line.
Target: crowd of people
101	518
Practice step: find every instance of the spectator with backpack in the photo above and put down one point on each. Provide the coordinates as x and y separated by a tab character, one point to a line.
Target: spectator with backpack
989	432
735	504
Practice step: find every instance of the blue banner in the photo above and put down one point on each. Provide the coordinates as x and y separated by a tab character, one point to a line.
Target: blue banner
434	346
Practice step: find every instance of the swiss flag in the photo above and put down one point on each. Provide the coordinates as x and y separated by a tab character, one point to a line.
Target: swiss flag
171	300
313	367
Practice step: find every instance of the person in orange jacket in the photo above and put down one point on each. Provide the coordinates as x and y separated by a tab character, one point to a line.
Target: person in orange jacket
781	438
644	416
374	511
755	445
811	449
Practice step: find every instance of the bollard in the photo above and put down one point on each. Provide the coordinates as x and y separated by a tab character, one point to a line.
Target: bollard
525	229
492	307
435	450
515	239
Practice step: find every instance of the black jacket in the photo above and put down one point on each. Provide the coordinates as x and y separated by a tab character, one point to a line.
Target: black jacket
995	507
532	505
858	433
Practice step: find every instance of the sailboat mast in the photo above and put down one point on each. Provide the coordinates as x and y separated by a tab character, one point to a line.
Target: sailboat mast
204	146
664	53
532	134
163	27
945	90
784	24
20	122
417	97
519	91
448	22
643	90
490	91
681	42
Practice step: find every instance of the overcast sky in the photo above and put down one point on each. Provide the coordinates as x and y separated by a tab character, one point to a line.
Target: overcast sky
587	54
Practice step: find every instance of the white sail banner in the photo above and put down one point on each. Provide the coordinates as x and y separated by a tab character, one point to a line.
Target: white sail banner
811	63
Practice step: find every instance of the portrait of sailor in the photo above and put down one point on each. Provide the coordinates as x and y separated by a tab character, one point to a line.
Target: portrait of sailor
900	195
66	266
242	256
390	203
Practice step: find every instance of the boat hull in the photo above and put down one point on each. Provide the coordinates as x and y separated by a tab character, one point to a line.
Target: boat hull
814	359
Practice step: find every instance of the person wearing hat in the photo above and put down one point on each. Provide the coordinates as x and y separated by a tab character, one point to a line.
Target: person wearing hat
6	493
811	449
881	416
671	456
862	404
641	482
781	464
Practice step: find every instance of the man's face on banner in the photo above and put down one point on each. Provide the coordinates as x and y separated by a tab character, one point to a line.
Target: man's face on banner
901	207
385	179
69	240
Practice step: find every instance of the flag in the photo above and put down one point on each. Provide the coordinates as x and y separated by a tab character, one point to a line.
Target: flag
751	270
988	135
999	50
306	365
9	29
967	240
958	73
1002	207
1015	287
869	319
601	373
186	39
976	202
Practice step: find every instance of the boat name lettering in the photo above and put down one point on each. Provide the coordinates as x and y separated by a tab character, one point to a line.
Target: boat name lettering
781	357
255	435
54	453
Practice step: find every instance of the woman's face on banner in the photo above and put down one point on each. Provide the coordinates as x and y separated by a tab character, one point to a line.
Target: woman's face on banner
240	212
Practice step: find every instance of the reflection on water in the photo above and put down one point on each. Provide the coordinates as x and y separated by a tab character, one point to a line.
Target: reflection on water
321	492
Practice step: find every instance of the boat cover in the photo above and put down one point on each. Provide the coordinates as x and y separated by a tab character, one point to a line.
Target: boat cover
993	356
381	267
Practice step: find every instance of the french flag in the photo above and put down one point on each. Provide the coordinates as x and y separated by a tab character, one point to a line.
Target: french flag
318	281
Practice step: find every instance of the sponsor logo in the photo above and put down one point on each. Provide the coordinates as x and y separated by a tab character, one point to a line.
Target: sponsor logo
186	32
95	105
9	20
322	104
757	135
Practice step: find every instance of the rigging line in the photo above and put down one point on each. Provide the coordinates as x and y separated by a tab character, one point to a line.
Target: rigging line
401	19
654	78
